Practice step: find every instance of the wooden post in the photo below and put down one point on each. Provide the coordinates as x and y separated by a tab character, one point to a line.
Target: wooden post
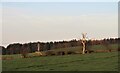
38	50
38	47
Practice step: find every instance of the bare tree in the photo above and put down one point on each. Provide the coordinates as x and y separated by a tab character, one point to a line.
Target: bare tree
84	42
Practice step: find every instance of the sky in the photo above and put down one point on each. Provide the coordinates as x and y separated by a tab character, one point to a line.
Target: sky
24	22
59	0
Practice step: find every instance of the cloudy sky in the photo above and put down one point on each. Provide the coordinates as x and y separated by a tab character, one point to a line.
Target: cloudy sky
51	21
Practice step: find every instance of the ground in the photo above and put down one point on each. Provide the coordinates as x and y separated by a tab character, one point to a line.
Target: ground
77	62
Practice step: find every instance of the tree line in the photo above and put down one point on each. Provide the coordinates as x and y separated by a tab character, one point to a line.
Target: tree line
18	48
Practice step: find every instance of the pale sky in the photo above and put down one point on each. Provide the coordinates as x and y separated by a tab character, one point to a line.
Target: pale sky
51	21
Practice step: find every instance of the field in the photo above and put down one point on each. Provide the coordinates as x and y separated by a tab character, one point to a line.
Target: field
103	61
77	62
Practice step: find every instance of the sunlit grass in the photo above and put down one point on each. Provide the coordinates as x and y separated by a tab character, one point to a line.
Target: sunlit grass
78	62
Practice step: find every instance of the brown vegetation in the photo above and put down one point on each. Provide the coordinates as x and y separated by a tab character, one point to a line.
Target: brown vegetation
7	58
102	51
50	53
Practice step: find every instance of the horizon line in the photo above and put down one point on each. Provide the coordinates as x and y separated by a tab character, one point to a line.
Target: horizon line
58	40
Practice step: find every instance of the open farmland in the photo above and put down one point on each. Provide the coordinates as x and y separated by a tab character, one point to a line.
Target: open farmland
77	62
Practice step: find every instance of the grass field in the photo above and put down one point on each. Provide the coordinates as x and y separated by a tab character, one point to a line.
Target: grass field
77	62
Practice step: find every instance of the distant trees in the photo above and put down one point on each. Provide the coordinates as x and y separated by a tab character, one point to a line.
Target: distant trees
2	50
89	44
13	48
24	50
18	48
106	43
32	47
